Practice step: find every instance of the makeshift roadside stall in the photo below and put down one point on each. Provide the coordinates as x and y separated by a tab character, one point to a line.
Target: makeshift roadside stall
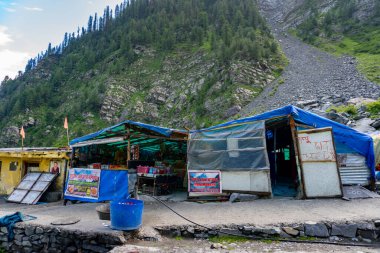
285	152
116	160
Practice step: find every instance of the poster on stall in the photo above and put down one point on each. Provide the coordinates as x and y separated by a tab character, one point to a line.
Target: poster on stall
83	183
205	182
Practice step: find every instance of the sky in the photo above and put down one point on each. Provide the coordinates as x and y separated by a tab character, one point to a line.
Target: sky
28	26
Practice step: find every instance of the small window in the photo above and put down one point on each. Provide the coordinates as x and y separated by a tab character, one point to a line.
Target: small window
32	167
13	166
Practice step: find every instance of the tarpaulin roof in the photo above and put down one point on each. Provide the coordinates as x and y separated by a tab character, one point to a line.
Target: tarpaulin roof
119	130
359	142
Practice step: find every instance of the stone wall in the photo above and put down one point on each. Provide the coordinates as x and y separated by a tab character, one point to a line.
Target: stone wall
36	238
366	231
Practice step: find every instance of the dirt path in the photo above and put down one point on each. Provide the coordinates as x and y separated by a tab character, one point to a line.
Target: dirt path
311	73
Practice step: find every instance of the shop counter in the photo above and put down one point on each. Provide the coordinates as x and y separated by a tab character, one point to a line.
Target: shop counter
157	184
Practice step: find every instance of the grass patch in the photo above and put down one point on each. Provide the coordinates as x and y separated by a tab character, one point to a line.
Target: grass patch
228	239
369	64
364	46
274	90
374	108
281	81
178	238
307	238
350	109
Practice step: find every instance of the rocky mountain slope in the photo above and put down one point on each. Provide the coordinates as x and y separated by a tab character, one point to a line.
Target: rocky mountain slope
171	63
314	79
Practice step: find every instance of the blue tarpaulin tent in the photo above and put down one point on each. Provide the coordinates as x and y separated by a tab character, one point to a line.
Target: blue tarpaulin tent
344	135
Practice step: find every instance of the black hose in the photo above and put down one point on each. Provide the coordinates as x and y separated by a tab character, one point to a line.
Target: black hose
267	238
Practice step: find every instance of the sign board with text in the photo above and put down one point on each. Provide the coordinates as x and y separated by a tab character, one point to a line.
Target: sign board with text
83	183
203	183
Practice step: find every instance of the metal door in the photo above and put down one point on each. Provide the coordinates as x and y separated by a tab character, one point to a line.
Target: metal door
319	168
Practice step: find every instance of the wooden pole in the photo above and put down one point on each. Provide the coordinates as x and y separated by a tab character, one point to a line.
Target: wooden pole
129	144
293	130
68	139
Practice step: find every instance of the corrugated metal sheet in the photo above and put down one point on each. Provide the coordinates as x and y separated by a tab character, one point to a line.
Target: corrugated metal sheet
353	169
355	175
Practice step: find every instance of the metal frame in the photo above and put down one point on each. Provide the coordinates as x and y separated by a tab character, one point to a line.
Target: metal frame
30	189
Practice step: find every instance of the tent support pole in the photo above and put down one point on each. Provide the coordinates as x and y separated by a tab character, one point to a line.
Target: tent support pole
293	130
129	144
275	153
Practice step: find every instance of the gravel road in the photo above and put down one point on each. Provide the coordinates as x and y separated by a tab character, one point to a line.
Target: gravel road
201	246
258	212
311	73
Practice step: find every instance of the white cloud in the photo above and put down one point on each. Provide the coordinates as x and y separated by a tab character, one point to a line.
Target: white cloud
5	38
11	62
33	8
9	9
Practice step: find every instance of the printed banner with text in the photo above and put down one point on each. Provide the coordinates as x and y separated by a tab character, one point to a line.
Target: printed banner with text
205	182
83	183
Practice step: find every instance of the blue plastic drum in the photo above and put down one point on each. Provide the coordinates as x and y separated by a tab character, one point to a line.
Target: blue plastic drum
126	214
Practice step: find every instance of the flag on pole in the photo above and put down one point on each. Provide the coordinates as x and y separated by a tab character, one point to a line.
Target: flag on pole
66	124
22	132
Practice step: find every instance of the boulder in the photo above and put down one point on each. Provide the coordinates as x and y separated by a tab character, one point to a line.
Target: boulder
29	230
317	230
337	117
302	104
376	124
266	231
26	244
291	231
232	111
247	230
344	230
368	234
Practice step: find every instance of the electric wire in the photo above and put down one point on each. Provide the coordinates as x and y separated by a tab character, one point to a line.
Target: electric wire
267	238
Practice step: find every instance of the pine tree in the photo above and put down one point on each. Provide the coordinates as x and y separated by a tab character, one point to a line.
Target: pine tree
65	40
117	11
101	24
89	25
95	25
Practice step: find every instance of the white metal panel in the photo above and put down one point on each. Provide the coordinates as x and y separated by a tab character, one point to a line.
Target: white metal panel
247	181
321	179
319	165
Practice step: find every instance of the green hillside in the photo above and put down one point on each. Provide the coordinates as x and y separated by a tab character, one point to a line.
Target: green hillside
174	63
350	27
